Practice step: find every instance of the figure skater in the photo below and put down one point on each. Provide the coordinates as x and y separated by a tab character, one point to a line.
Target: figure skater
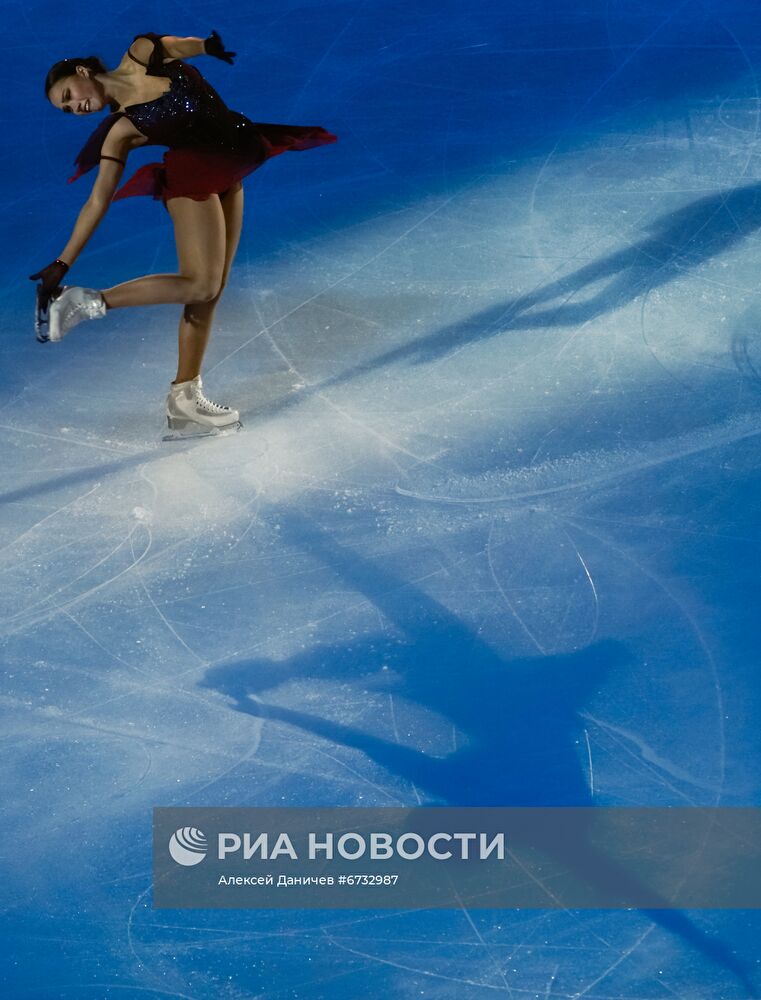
156	98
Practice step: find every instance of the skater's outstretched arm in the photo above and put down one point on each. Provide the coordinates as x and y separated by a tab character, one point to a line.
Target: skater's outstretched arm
113	159
96	206
175	47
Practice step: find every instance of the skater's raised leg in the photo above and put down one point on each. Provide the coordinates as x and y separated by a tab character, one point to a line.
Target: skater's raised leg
200	235
199	230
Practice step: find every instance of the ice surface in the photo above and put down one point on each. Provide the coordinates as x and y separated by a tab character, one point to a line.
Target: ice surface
489	534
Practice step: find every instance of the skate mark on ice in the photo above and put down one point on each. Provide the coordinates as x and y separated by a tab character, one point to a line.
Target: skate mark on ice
99	644
699	636
26	612
615	465
651	756
591	766
43	520
161	615
505	599
67	439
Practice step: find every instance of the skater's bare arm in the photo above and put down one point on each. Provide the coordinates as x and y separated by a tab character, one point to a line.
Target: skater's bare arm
176	47
113	159
173	47
182	48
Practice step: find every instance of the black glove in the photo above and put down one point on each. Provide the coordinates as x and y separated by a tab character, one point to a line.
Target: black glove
214	46
50	278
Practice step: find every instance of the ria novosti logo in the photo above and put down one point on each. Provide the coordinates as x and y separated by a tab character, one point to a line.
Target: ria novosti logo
187	846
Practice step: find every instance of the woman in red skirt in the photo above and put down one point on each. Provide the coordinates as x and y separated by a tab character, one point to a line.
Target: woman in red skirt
156	98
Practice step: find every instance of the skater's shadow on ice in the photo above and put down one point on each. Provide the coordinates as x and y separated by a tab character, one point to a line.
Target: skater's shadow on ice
679	242
745	347
75	478
507	758
519	719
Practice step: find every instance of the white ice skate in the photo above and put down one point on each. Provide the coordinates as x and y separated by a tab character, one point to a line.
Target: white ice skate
73	305
190	414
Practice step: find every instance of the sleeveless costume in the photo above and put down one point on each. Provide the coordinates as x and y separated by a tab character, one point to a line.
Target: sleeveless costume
210	147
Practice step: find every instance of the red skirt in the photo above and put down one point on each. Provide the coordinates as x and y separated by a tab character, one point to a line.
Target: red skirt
190	173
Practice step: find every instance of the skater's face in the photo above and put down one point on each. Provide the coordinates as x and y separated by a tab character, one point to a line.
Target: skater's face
78	94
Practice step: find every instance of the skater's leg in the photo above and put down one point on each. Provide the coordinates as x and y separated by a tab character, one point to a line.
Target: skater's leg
199	228
198	317
189	412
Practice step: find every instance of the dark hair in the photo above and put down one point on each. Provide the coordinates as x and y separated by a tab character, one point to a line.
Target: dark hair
67	67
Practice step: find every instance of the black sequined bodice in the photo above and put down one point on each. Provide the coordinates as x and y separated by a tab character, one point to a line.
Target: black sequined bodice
191	118
192	115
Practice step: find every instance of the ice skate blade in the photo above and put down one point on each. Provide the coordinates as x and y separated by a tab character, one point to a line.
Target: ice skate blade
41	319
189	432
42	329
